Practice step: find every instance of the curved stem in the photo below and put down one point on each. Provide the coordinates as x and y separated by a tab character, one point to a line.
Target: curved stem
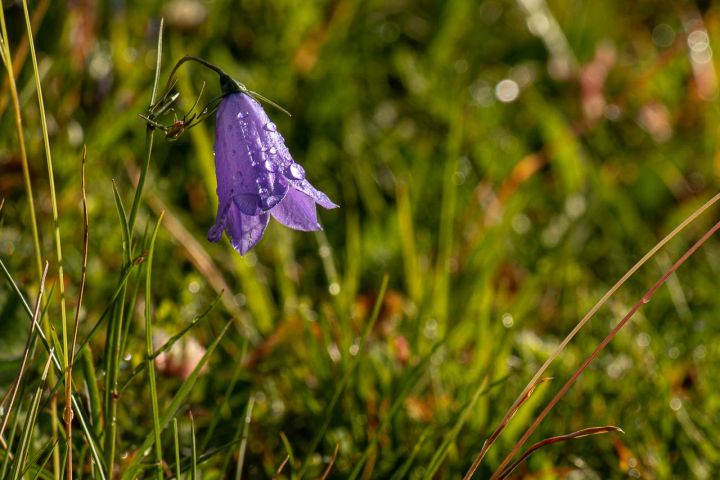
148	144
113	349
228	84
201	61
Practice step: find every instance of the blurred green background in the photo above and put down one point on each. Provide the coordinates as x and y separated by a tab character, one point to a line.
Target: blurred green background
504	162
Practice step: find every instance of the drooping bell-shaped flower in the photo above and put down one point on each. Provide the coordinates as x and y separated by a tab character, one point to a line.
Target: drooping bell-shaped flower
257	177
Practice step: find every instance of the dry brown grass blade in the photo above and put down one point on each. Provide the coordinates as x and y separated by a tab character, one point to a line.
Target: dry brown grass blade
601	346
280	468
585	432
541	371
501	427
332	462
81	292
26	353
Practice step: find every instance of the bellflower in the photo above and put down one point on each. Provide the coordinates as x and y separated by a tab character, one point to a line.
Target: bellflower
257	177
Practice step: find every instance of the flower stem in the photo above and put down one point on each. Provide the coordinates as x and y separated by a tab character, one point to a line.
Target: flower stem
113	351
228	84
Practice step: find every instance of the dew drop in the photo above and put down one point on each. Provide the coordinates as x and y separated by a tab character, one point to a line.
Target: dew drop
270	166
241	115
270	127
296	171
646	300
273	150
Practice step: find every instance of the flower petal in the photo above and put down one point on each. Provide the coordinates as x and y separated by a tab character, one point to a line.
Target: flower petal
297	211
245	231
305	187
242	166
217	230
255	173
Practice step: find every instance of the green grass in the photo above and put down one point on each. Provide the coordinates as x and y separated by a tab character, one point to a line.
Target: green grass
500	185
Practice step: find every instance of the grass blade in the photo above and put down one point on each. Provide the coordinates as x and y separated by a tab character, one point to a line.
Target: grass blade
29	427
171	341
37	462
288	448
281	467
328	469
588	316
346	379
601	346
175	404
402	472
71	354
125	228
585	432
223	407
176	439
245	433
157	430
405	390
450	437
26	354
193	449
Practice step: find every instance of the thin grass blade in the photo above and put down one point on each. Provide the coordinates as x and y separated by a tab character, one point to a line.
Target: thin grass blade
331	463
346	379
21	455
245	433
450	437
585	432
176	403
176	441
193	449
280	468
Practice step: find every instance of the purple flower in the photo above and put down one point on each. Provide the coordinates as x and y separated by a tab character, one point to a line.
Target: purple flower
257	177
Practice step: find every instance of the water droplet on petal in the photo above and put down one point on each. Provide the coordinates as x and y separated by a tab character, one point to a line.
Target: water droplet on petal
241	115
271	166
263	181
296	171
270	127
273	150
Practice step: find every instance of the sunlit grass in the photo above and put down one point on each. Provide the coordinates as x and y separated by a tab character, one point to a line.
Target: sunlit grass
500	183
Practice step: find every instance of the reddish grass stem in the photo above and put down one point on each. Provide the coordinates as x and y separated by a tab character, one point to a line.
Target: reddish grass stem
533	382
71	354
644	300
585	432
